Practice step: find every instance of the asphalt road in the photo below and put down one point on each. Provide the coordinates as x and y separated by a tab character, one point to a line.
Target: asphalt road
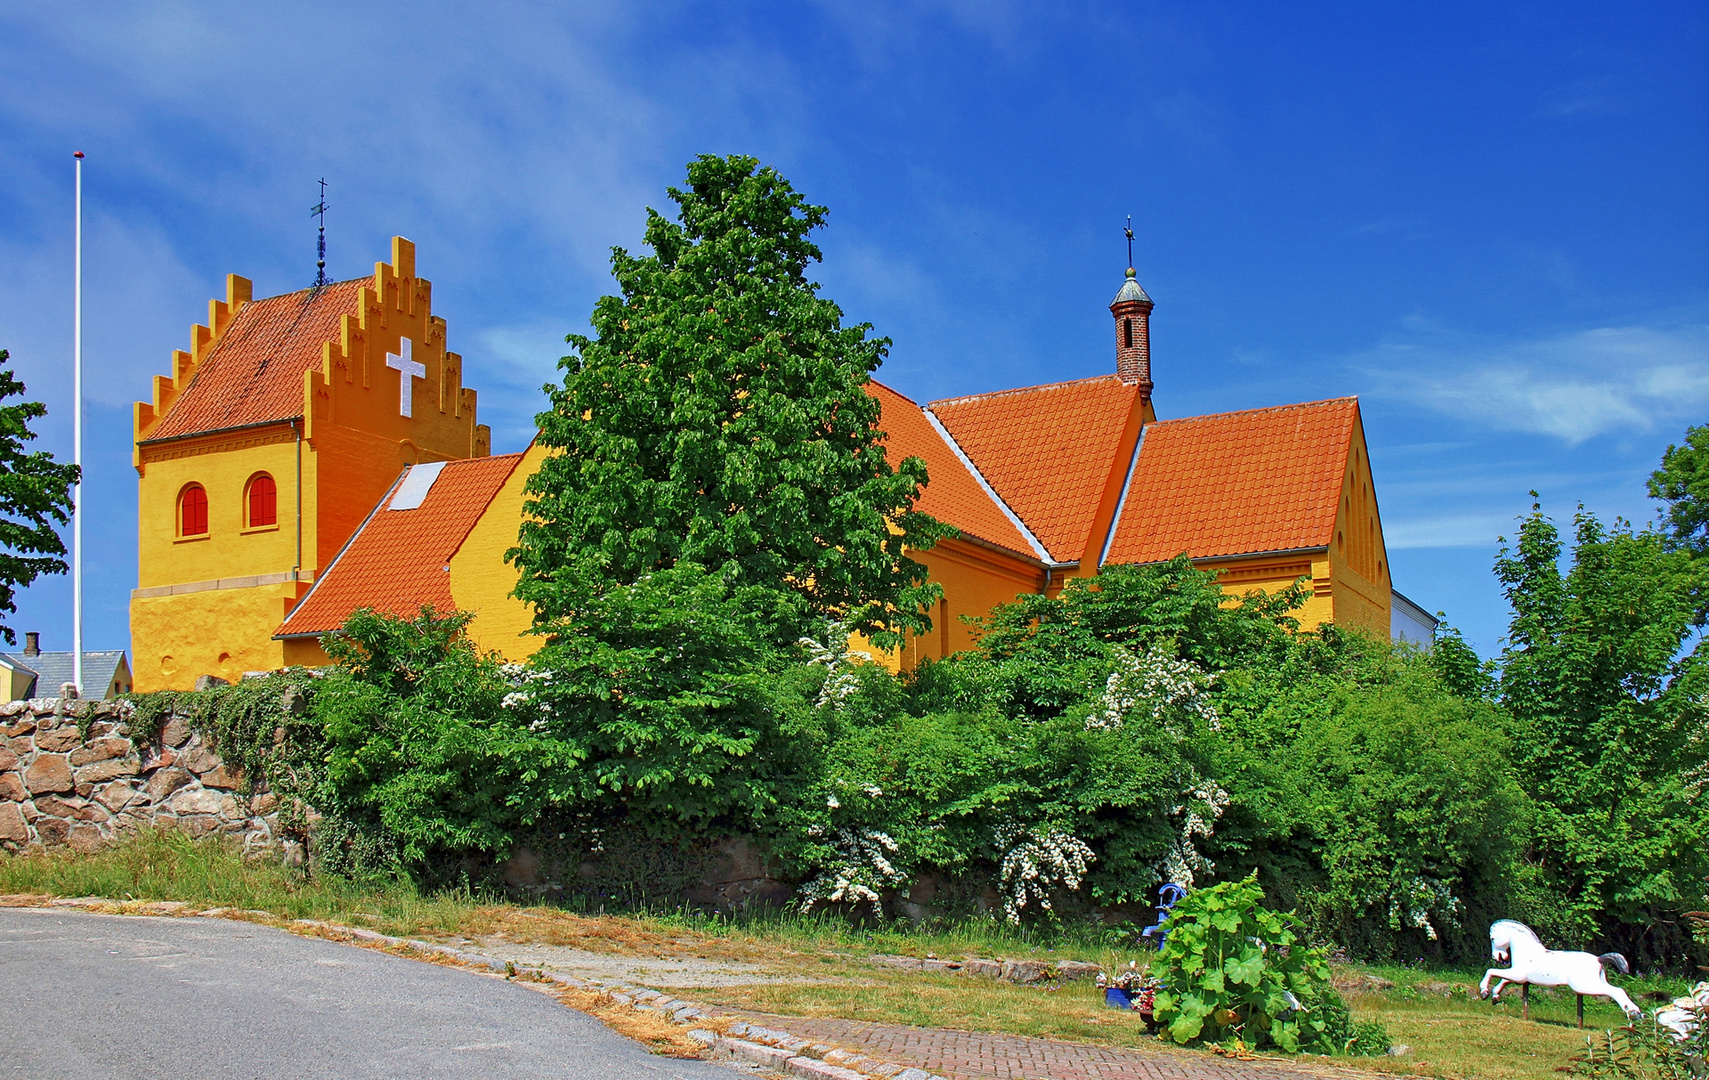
92	997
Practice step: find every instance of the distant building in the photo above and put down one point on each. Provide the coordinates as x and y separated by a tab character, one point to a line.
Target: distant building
1409	622
33	673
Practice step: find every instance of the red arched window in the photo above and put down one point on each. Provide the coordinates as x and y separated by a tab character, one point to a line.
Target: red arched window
263	501
193	511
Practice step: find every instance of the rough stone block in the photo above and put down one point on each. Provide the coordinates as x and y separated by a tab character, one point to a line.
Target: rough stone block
48	774
221	776
199	826
1073	970
59	739
196	801
12	788
200	760
1024	971
13	828
116	797
989	969
165	781
264	803
8	759
52	830
102	771
100	750
86	838
175	732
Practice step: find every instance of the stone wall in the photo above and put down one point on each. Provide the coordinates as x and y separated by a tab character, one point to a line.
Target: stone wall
58	788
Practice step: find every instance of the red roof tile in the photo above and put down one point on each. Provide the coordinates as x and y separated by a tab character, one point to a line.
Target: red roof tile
254	372
1237	483
952	493
1046	450
400	559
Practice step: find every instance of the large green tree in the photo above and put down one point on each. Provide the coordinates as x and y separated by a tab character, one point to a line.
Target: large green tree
1604	675
35	493
719	417
1682	483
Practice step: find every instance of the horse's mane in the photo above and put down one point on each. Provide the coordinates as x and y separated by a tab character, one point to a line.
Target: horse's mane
1516	928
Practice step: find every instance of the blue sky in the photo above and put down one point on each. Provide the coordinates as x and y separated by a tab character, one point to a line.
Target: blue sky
1491	222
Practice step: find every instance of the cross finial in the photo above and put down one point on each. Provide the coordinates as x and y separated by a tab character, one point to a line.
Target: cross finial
1129	231
319	210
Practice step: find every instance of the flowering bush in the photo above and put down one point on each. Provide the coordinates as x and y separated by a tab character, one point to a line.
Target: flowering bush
1158	688
864	873
1035	860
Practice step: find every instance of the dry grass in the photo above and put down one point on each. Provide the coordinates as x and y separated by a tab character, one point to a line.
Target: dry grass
1449	1034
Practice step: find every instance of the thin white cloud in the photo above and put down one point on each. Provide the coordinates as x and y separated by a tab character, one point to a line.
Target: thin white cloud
1576	386
1458	530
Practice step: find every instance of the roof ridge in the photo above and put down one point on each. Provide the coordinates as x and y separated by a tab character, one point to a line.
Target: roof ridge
1021	390
1354	398
310	289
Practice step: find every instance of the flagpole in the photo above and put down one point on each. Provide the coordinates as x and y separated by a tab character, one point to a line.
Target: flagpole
77	445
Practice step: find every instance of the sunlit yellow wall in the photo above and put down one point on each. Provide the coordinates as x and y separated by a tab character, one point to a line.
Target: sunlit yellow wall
355	442
481	581
223	632
1358	558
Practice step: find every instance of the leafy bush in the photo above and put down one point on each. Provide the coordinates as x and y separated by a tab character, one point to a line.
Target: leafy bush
426	753
1232	967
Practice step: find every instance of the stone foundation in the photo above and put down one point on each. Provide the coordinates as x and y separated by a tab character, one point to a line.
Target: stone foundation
58	788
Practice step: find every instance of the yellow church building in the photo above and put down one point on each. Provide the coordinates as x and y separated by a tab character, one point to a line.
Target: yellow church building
316	452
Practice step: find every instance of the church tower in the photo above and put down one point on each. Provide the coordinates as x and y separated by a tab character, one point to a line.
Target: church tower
1132	311
264	450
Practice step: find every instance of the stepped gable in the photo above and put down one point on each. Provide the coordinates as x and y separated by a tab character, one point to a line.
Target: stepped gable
253	374
1047	451
1237	483
952	494
400	559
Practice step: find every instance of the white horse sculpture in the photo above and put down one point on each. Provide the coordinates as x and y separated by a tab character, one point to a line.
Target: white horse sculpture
1530	963
1686	1013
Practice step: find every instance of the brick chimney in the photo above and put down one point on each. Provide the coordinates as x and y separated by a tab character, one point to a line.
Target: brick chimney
1132	310
32	643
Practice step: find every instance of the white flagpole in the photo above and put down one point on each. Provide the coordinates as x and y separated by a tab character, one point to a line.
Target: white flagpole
77	446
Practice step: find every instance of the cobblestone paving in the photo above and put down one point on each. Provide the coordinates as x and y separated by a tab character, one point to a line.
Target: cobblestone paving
968	1055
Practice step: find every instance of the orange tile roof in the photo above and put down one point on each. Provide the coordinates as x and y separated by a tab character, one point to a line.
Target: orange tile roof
1237	483
1046	450
399	559
952	493
254	373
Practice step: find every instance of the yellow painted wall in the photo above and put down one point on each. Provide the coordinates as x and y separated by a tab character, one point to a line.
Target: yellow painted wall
481	581
1359	560
223	632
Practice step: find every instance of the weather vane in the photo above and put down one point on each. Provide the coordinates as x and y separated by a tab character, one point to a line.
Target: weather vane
319	210
1129	231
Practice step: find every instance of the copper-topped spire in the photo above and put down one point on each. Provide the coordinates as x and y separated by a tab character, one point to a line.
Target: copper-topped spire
1132	311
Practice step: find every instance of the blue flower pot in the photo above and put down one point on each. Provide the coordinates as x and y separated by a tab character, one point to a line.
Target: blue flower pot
1117	998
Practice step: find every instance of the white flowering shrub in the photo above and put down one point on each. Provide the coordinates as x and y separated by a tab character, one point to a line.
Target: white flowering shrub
1035	861
1197	813
864	871
524	699
1422	903
1156	687
834	655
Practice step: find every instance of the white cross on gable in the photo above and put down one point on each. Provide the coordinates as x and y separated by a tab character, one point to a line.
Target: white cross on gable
408	371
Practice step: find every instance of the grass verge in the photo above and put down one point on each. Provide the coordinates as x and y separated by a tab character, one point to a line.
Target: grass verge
1450	1032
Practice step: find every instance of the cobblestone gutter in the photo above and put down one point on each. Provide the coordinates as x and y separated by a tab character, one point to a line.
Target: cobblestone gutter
62	787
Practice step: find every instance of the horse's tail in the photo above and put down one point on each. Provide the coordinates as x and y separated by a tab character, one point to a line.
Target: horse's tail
1616	961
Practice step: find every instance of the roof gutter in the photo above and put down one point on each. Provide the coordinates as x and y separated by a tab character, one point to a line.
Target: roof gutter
220	431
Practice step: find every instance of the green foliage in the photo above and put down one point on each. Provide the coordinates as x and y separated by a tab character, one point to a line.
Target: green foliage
423	755
35	493
1643	1051
1605	688
1232	968
720	417
1682	483
673	699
